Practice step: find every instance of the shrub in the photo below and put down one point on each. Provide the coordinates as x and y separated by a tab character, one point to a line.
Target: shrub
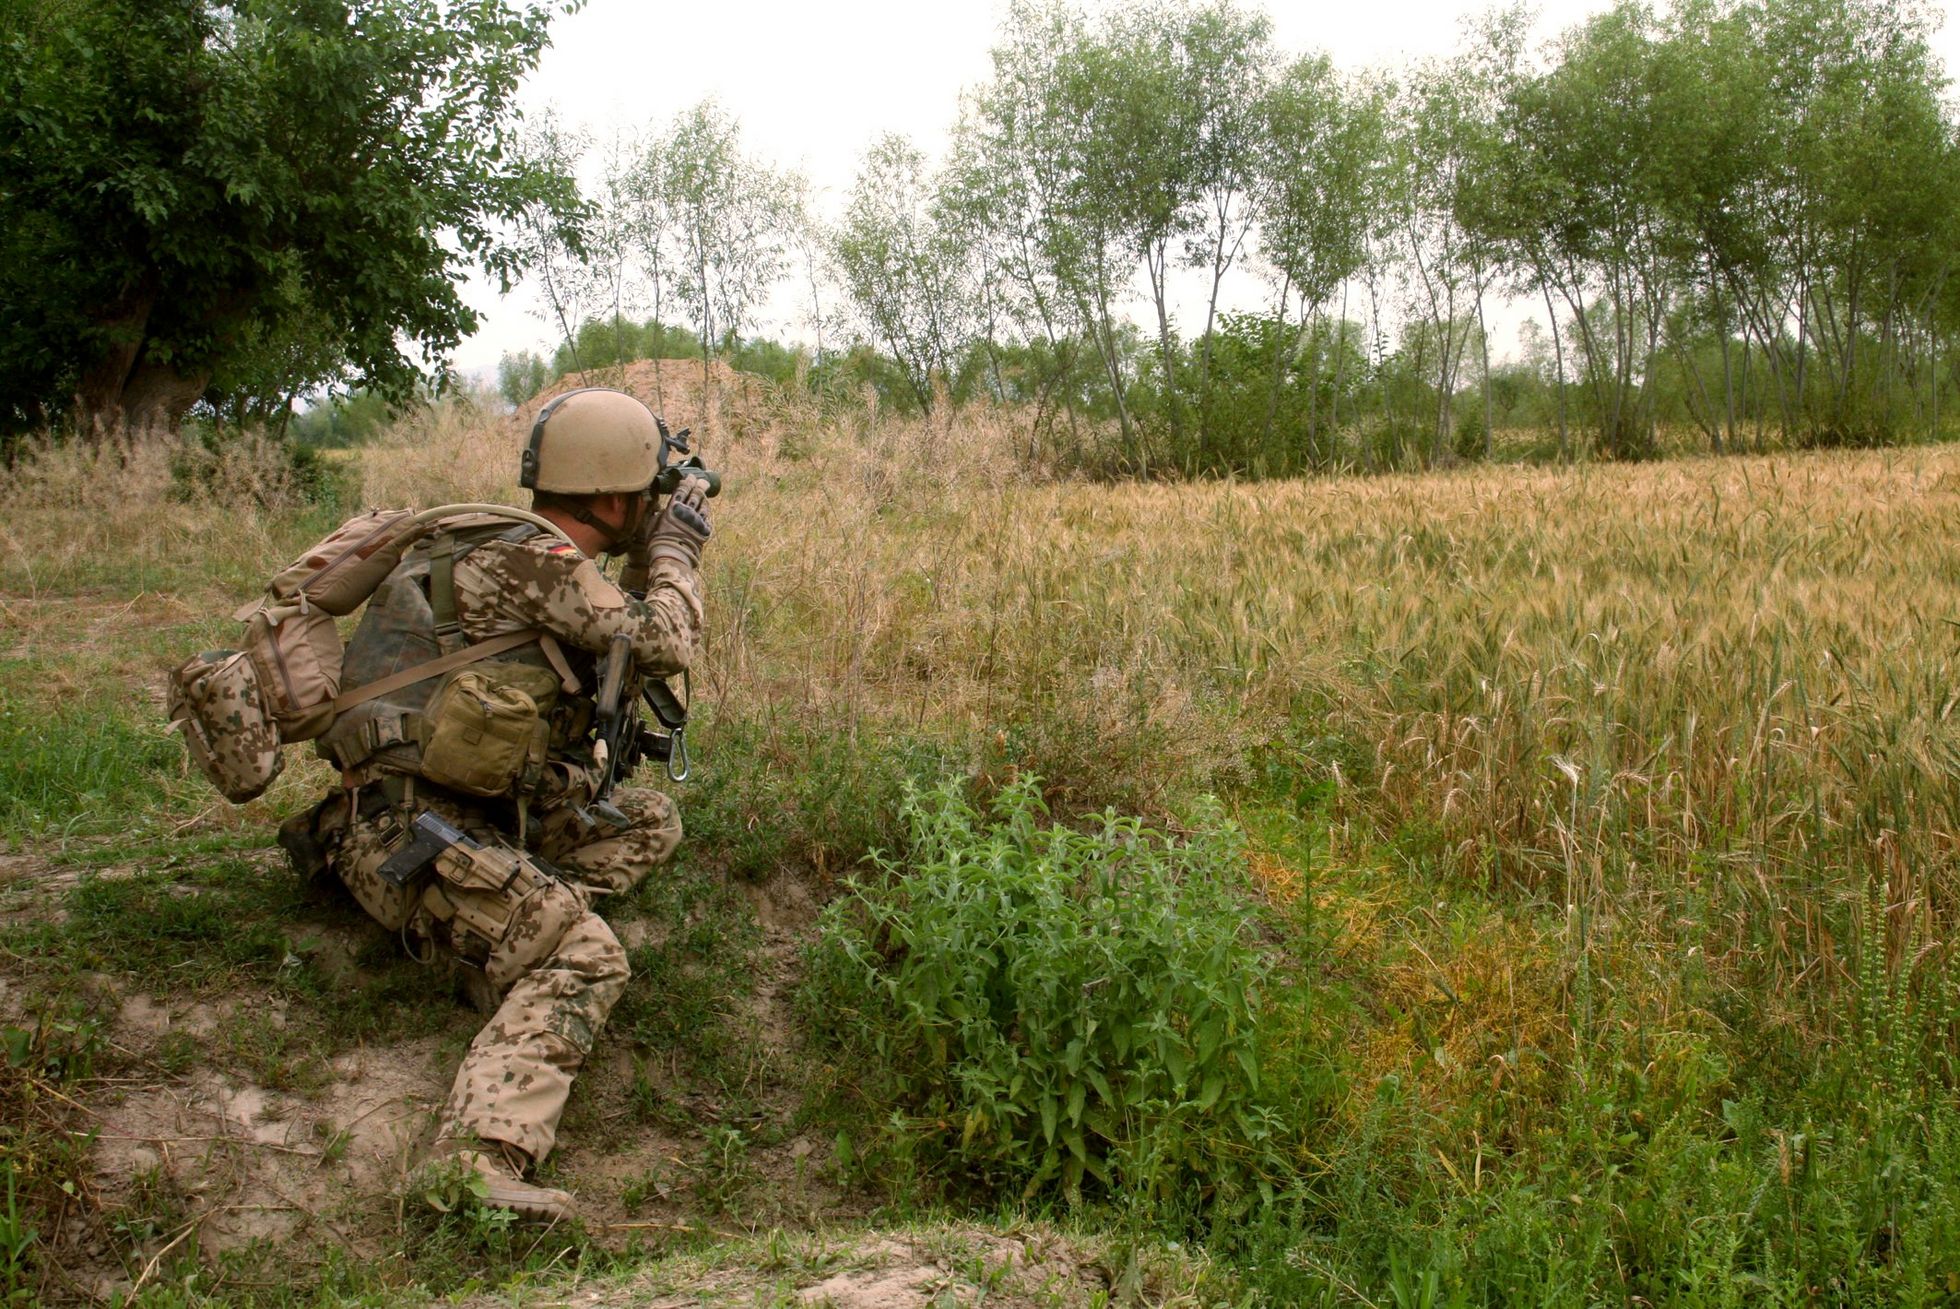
1040	1006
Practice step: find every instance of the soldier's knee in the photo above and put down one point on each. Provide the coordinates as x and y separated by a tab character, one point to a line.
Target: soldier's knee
652	812
592	948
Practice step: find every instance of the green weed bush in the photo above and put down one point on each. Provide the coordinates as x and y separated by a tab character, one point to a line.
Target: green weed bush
1036	1006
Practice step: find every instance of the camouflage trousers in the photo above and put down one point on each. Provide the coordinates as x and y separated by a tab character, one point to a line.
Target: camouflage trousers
554	964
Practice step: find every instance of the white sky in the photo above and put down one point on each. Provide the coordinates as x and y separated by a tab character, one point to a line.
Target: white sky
812	84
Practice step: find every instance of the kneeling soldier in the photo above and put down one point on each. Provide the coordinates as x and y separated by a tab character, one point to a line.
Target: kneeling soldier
471	816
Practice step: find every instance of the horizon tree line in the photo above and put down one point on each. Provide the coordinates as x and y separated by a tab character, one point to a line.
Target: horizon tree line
1738	217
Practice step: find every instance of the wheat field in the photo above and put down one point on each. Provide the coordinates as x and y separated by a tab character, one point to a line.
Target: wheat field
1611	688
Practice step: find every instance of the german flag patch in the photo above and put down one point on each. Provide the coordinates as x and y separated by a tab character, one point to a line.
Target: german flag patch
561	548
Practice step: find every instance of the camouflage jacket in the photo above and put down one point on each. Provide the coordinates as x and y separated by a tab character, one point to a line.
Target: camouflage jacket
513	582
543	582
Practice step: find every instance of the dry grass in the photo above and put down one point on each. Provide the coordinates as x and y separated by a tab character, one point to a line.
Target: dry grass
1620	788
138	505
1718	697
1703	668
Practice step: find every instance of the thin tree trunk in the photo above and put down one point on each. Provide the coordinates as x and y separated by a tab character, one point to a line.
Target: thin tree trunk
1155	263
1221	263
1728	370
1279	368
1558	356
1105	335
1340	367
1483	351
1381	372
1305	333
1935	432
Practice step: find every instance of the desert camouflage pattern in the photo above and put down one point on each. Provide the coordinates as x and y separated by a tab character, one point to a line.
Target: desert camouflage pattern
533	944
505	586
216	701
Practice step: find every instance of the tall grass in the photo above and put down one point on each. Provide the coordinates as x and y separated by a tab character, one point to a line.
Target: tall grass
1718	697
1591	686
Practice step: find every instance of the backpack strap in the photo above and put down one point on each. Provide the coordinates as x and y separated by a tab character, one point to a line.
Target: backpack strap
496	645
442	591
554	654
445	548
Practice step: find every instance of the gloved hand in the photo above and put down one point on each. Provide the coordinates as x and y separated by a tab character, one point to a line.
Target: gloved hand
682	527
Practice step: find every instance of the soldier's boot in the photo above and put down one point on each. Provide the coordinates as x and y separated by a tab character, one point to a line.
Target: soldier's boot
504	1189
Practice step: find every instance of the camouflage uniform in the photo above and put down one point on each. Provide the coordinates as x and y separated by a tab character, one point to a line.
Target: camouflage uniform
533	934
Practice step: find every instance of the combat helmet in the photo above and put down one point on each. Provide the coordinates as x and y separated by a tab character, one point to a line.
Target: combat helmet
590	442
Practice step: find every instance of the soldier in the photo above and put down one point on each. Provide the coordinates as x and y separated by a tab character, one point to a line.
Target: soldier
504	751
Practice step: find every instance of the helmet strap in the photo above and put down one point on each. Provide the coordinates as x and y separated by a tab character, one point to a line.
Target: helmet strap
617	536
614	535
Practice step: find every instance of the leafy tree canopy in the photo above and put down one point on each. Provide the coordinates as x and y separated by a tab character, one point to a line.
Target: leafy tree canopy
239	201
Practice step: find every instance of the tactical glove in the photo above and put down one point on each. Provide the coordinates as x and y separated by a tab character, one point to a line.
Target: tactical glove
682	527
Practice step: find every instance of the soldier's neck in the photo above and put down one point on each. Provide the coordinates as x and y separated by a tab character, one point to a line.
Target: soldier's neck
587	538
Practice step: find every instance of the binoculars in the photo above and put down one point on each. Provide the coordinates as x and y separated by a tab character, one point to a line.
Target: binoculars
668	479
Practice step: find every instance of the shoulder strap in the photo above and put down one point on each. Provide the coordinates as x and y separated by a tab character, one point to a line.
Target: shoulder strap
442	591
496	645
445	548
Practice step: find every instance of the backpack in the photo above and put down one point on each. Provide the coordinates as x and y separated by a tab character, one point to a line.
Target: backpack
237	707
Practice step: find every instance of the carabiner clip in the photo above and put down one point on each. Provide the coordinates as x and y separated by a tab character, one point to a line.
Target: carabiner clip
678	751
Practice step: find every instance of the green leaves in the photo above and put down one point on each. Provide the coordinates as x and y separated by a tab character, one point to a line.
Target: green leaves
1050	1004
254	197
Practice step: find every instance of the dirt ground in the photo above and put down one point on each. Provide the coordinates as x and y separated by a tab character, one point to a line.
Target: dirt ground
188	1151
938	1265
188	1156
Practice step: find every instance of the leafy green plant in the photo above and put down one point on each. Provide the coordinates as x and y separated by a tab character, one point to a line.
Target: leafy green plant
1041	1006
17	1237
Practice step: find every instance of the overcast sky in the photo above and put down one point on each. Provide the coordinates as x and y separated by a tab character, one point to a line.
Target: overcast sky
812	84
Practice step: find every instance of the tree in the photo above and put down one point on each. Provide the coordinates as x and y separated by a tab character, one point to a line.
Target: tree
548	239
729	216
257	194
1225	63
521	376
609	279
1006	185
1434	143
1321	180
899	259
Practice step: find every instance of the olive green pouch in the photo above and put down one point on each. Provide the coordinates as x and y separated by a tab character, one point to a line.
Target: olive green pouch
485	728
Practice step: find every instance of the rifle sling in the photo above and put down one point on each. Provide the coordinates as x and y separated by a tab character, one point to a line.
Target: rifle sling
666	706
469	654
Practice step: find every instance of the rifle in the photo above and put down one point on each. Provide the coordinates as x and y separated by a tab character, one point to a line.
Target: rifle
612	719
622	740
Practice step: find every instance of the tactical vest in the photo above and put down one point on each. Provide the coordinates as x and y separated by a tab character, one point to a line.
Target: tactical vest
410	620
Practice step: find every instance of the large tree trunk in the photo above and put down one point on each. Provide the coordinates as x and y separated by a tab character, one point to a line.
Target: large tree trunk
158	396
99	395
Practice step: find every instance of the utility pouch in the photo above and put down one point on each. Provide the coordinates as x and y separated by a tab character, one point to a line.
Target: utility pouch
218	702
482	731
296	653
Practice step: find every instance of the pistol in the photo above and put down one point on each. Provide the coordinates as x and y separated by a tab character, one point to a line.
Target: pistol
430	835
